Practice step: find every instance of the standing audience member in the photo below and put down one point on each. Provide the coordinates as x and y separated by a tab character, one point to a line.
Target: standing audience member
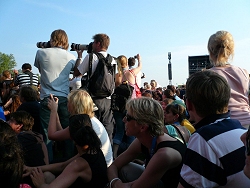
104	113
5	86
153	84
164	154
126	74
54	65
221	50
79	102
11	159
123	75
27	77
87	169
210	159
139	75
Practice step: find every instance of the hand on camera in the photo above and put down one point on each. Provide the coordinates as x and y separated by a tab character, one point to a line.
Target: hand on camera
53	103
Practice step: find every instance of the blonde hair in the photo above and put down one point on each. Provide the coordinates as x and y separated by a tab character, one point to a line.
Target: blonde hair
147	111
122	62
81	103
221	48
59	38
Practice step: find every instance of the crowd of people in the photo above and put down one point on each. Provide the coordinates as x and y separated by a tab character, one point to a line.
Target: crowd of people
56	133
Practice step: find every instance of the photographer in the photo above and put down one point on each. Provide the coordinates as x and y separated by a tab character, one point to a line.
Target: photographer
54	65
99	45
140	75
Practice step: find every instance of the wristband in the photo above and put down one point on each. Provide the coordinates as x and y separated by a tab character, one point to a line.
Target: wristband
79	58
110	184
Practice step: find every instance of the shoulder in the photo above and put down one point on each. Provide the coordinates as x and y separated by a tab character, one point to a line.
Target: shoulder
79	163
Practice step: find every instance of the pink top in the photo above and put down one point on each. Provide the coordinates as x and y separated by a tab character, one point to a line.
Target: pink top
25	186
238	79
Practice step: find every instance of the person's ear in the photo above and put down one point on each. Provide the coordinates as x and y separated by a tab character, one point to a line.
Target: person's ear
189	105
19	127
176	116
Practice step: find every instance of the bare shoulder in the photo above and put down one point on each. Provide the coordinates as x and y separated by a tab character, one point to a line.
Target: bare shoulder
79	164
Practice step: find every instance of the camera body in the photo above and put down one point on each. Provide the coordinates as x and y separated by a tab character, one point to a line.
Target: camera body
43	44
82	47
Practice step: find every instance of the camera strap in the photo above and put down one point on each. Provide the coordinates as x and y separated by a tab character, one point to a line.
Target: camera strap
90	65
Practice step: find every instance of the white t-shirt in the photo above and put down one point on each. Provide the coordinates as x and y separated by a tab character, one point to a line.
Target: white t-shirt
75	83
103	136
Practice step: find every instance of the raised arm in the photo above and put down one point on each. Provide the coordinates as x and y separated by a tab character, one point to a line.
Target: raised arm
137	69
78	62
55	130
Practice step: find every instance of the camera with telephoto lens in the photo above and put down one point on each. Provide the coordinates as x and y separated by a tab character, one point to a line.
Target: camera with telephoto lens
82	47
43	44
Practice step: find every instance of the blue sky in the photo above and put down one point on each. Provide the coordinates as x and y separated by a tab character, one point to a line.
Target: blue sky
151	28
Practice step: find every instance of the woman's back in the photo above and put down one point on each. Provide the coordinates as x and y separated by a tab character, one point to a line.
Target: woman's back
238	80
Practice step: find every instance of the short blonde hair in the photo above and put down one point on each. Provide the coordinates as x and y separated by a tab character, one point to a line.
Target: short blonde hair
221	48
147	111
59	38
81	102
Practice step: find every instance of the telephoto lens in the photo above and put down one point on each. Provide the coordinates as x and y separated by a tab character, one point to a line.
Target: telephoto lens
43	44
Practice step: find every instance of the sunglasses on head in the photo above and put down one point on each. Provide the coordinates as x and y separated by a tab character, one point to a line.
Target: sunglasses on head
129	118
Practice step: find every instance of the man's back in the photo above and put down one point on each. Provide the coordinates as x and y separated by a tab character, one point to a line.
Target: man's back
215	155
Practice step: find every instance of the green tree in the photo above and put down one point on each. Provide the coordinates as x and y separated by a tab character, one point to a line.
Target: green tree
7	62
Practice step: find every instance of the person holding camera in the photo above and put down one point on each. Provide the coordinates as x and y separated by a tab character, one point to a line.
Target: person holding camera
54	65
140	75
99	45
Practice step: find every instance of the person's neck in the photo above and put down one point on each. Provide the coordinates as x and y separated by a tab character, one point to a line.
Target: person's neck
146	140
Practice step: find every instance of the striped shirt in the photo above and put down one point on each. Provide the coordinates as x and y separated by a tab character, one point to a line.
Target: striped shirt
215	155
24	79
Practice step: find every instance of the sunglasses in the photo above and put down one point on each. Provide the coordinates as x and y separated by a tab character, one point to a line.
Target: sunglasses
129	118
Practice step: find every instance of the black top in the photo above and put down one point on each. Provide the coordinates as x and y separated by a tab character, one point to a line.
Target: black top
98	167
172	176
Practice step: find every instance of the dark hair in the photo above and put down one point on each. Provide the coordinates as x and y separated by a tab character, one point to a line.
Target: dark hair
11	157
169	94
26	66
28	93
177	109
23	117
78	121
208	91
87	136
80	128
131	61
172	88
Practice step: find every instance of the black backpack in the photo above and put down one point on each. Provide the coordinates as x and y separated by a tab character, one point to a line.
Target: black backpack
120	96
102	83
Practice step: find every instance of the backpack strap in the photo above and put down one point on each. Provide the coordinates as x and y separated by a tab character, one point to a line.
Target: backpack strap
178	130
30	75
